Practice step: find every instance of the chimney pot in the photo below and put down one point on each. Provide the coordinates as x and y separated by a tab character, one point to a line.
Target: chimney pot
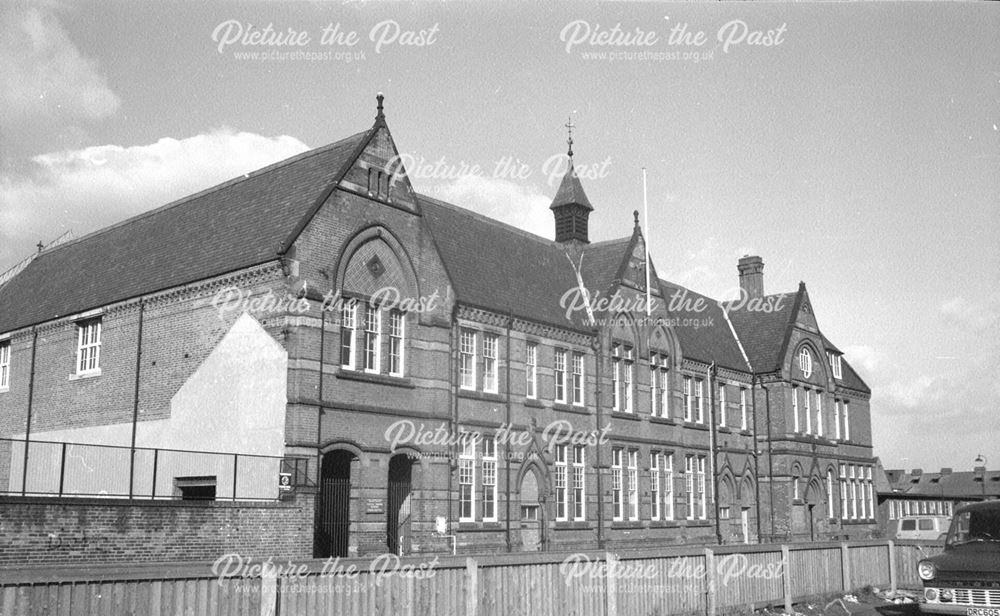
751	269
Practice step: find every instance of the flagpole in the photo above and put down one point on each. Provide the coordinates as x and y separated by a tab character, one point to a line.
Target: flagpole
645	238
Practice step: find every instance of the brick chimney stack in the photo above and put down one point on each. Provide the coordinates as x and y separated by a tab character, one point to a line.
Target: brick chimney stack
751	270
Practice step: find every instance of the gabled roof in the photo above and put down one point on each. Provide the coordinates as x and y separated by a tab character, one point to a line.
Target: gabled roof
955	485
707	337
570	191
237	224
763	333
499	267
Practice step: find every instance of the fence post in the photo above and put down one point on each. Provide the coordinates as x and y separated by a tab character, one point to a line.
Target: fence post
236	459
62	469
268	591
786	575
471	587
712	602
612	584
156	460
892	566
845	566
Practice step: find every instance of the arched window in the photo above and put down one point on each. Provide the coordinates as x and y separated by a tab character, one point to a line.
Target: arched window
805	362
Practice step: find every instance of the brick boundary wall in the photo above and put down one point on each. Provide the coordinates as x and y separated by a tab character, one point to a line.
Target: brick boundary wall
51	531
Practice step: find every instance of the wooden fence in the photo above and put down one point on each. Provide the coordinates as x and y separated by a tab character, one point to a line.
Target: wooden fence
676	580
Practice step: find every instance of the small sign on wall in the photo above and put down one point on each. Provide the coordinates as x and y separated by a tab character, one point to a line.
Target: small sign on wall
284	482
375	505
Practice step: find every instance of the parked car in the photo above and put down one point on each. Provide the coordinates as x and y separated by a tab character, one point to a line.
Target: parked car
965	578
931	527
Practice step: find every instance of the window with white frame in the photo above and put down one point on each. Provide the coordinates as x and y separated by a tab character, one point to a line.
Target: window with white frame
863	501
489	479
654	485
805	362
830	511
722	404
4	364
844	505
617	504
659	385
836	366
836	419
795	409
806	398
854	491
654	394
579	485
633	484
562	485
373	338
688	399
702	494
847	421
699	394
467	480
560	374
744	425
531	370
348	333
467	359
689	484
578	379
88	350
795	489
819	413
870	489
616	377
397	333
668	486
627	394
490	370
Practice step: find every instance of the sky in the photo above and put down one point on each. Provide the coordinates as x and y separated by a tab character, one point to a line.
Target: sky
853	146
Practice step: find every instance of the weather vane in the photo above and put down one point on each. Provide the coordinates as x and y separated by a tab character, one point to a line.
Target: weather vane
569	140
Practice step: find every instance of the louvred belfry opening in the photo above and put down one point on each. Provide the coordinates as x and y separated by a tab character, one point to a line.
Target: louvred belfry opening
571	207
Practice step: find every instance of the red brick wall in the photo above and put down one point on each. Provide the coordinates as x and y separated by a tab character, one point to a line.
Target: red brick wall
38	531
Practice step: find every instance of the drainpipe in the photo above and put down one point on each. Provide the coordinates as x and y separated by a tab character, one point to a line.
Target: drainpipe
712	444
598	347
510	322
135	401
319	396
770	456
27	428
756	454
453	420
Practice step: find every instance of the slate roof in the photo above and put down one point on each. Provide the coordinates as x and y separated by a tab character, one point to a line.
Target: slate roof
954	485
234	225
499	267
706	342
763	335
570	191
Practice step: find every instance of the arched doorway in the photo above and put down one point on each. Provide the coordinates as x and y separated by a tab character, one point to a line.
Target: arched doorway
399	486
532	512
333	508
814	507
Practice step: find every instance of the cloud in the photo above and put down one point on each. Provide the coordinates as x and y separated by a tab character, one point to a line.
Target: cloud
43	76
519	205
90	188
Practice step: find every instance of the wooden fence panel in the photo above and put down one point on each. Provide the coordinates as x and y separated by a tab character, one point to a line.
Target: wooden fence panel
869	566
815	571
671	581
738	583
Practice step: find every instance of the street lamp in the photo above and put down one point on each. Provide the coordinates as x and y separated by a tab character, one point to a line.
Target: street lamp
980	467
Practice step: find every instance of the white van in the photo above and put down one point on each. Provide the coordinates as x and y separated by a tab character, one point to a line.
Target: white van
926	527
